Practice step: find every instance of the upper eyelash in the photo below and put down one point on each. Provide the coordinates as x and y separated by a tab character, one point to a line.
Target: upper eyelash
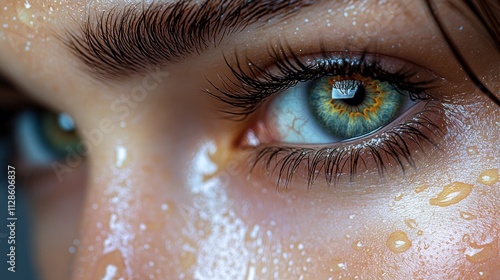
335	161
256	84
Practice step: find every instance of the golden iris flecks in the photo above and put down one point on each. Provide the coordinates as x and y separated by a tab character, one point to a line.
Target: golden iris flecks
374	104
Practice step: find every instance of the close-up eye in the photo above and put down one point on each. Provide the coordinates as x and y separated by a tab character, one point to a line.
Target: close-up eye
337	116
357	99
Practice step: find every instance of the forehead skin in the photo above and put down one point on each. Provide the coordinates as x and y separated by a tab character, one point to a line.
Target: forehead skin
161	211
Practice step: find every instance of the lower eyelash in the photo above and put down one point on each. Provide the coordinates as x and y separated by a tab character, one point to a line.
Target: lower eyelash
395	145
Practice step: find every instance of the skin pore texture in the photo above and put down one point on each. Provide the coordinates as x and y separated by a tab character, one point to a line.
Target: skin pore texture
165	193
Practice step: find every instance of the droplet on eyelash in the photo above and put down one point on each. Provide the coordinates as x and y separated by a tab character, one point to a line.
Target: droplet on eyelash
451	194
488	177
398	242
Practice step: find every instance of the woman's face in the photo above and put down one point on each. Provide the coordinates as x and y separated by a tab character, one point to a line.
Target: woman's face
174	183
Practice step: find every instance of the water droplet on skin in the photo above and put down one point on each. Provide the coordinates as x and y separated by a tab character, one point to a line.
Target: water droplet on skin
466	238
451	194
421	188
252	234
110	266
398	197
188	256
411	223
472	150
121	156
480	253
467	216
488	177
164	207
398	242
251	273
357	245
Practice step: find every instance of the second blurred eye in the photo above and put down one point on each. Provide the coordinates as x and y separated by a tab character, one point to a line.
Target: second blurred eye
43	136
335	108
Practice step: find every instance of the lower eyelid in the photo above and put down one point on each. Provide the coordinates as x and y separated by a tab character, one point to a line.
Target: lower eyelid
402	145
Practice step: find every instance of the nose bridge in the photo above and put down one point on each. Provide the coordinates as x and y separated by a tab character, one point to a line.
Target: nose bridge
106	227
135	184
122	200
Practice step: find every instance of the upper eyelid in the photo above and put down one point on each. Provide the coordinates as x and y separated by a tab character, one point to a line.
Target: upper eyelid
252	86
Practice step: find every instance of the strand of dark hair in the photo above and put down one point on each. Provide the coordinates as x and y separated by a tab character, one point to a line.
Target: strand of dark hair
490	25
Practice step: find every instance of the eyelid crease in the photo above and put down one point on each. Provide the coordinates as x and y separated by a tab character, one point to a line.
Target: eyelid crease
122	42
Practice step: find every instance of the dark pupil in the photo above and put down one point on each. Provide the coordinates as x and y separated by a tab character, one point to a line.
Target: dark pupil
358	98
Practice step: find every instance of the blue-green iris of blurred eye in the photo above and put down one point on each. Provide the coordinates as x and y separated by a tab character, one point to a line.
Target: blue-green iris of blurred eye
374	104
59	132
45	136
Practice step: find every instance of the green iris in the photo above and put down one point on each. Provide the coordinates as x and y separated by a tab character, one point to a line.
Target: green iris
57	132
373	105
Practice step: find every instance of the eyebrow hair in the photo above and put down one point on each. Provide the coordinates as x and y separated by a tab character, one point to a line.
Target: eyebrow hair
132	39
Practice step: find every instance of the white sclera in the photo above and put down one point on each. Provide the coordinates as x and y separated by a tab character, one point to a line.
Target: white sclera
292	118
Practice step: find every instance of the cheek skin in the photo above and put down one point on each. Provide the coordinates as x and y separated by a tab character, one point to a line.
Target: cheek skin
54	210
153	215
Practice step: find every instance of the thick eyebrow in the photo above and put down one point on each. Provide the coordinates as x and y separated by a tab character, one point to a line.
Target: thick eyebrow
131	39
